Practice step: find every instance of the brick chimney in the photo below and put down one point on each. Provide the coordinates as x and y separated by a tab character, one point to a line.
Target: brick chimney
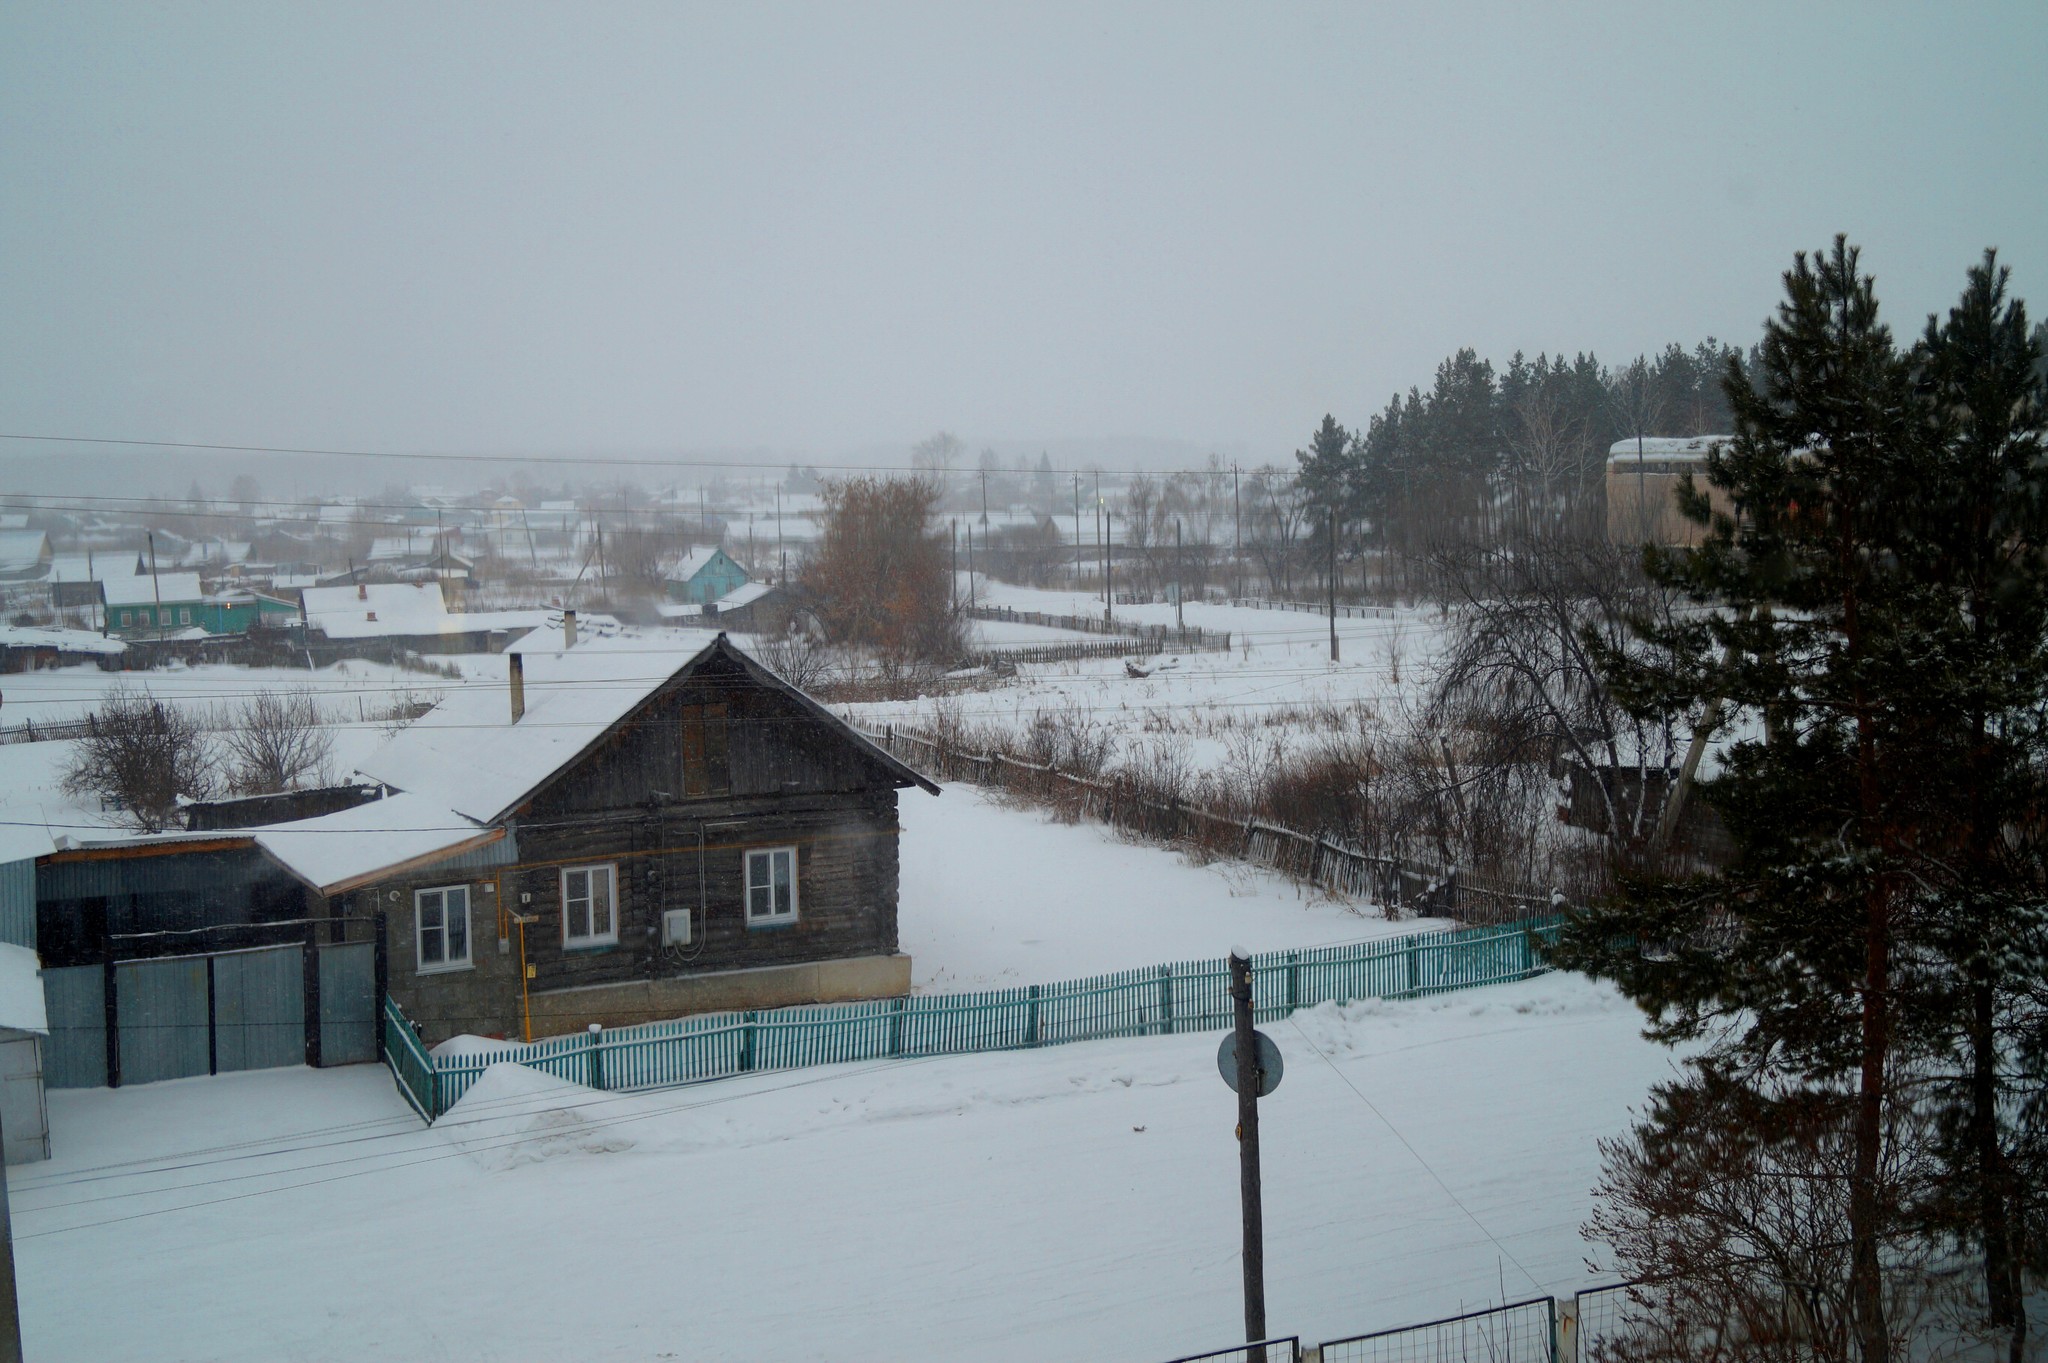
518	675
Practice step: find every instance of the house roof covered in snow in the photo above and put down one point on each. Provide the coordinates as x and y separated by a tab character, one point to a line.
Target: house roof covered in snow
1692	448
369	610
746	594
23	550
93	567
697	560
336	852
63	640
146	589
468	752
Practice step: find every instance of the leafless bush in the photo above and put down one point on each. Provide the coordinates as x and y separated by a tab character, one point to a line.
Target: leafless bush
799	658
139	756
1730	1203
276	741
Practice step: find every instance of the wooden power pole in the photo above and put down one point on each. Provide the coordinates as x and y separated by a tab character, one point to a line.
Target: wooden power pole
1249	1082
1333	584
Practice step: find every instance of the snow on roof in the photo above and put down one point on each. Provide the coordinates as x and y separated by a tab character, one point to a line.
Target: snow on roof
17	520
91	567
22	549
678	610
1664	447
64	640
336	851
145	589
468	753
21	990
695	562
746	594
374	609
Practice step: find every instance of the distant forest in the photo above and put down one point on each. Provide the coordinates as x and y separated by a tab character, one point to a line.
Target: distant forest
1485	452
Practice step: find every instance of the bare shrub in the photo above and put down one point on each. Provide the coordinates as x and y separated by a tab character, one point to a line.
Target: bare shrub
798	657
276	741
139	755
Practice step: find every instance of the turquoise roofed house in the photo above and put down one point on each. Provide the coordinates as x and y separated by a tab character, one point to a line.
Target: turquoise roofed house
704	575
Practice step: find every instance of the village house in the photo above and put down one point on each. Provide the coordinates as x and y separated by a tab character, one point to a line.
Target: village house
704	576
691	835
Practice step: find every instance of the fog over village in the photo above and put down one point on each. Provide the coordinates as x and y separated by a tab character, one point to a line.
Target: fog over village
1306	684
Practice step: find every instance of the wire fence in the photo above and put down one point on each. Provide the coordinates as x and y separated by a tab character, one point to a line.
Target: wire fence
1521	1332
1165	1000
1396	883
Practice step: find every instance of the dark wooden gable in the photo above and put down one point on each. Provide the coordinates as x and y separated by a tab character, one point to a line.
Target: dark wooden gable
716	731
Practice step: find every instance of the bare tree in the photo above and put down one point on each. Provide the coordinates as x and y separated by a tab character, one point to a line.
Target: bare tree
139	755
934	459
797	656
879	572
276	741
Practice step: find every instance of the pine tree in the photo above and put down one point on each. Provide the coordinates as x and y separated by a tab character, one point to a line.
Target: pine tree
1808	628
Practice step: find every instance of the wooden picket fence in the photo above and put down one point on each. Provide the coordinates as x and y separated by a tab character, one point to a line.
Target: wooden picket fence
1399	884
1133	636
1186	996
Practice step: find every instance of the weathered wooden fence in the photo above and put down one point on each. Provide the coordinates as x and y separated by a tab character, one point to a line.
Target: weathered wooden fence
1394	882
1187	996
1136	637
1344	612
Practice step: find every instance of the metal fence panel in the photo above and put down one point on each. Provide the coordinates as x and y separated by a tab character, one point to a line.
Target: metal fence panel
1521	1332
163	1018
259	1009
348	1003
76	1054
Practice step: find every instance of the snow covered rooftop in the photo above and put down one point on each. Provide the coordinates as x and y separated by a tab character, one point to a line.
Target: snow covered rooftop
22	550
147	589
338	851
374	609
746	594
1665	448
695	562
21	990
92	567
64	640
469	754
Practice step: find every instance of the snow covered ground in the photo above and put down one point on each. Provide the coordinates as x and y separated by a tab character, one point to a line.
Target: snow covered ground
994	896
1076	1202
1216	711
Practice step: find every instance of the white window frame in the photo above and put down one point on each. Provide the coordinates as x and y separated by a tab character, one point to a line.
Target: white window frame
184	615
124	620
571	942
467	961
765	857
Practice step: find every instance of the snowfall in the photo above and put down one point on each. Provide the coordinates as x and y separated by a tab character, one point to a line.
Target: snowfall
1420	1157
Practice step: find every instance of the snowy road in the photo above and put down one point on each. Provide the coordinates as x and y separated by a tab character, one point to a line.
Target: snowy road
1077	1202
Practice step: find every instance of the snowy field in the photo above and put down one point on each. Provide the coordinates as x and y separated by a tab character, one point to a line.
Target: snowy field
1078	1202
1276	691
994	896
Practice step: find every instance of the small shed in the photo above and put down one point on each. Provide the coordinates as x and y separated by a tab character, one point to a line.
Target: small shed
24	1117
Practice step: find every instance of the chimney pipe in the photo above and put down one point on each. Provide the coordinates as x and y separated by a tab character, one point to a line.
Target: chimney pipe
568	629
362	591
518	687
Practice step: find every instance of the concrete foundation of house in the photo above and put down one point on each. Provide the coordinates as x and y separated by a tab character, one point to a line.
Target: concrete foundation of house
560	1011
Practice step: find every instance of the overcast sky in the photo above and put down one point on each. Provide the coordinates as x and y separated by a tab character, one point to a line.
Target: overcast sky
826	229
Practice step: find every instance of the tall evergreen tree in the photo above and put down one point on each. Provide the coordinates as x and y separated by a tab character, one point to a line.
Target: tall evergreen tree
1807	626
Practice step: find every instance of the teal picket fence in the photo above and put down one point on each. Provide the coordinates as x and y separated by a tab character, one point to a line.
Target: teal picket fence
410	1063
1188	996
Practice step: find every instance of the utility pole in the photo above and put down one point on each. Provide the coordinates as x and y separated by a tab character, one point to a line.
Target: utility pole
781	551
1180	582
1100	561
1236	532
1333	584
953	578
1108	568
1250	1080
984	508
970	565
156	587
1077	529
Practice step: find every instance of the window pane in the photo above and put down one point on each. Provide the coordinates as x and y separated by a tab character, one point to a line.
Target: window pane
783	906
458	927
601	902
430	910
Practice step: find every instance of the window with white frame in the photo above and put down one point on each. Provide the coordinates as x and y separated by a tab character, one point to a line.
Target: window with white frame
771	886
184	615
442	916
590	906
124	619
